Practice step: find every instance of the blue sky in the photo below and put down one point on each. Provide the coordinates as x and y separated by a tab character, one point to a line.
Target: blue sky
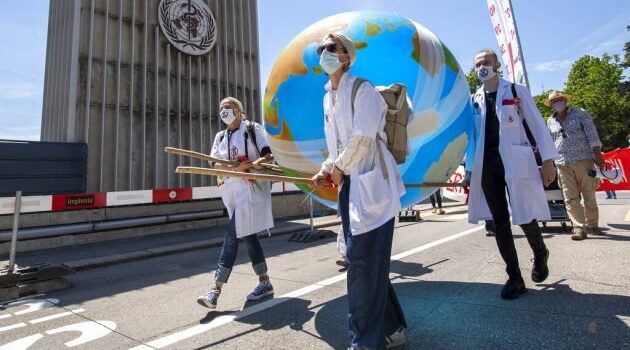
553	35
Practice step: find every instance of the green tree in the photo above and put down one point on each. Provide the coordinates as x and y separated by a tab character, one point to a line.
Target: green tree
626	49
595	85
473	80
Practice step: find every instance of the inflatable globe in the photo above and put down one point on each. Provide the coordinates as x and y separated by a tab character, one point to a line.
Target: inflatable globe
390	49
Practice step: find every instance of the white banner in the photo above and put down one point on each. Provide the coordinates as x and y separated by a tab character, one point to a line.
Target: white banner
505	30
456	193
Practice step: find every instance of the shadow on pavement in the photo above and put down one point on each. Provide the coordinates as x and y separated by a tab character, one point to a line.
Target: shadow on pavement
450	315
460	315
136	275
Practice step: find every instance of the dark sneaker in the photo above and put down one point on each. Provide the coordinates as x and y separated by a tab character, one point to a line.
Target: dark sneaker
540	270
209	299
396	339
489	233
579	234
441	212
595	231
341	261
263	289
513	288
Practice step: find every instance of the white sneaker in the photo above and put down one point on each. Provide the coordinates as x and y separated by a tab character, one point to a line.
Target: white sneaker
396	339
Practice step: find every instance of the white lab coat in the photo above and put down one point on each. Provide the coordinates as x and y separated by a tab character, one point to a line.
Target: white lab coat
249	200
374	200
526	192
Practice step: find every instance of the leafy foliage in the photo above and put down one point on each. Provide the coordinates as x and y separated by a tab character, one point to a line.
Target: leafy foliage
595	85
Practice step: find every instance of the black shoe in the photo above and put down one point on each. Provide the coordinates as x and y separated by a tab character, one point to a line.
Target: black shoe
540	270
489	233
513	288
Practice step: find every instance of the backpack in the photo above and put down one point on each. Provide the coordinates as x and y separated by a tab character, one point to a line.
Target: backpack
250	133
398	115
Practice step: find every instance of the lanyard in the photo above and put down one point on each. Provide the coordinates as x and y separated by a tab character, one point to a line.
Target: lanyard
229	137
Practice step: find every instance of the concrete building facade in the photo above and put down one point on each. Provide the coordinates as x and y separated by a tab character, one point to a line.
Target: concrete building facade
115	80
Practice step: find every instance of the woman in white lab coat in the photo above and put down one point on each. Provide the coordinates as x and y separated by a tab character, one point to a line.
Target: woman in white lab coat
500	157
248	203
369	196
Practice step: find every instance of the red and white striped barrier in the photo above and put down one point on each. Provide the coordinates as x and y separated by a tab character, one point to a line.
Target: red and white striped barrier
78	201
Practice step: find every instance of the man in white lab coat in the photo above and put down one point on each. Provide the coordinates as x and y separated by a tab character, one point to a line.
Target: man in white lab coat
369	197
500	157
248	202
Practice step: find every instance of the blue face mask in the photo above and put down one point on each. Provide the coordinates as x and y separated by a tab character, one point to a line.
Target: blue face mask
329	62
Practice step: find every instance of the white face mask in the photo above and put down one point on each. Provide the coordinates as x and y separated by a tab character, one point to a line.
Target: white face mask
559	106
227	116
485	73
329	62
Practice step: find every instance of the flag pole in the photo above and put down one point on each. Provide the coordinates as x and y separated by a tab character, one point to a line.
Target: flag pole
520	46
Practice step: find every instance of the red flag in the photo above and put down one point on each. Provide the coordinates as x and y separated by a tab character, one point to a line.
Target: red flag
620	159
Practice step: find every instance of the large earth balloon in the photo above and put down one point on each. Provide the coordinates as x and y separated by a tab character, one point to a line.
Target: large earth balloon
390	49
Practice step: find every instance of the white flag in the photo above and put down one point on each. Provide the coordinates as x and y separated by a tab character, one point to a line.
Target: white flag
505	29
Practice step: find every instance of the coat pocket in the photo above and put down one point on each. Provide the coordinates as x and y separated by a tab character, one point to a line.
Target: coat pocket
524	163
509	117
369	198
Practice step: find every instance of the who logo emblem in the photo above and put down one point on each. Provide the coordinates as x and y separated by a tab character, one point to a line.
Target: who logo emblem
188	25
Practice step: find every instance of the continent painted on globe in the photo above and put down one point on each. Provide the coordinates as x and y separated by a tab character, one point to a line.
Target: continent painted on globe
390	49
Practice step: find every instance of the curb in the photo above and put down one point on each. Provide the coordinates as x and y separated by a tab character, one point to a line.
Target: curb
108	260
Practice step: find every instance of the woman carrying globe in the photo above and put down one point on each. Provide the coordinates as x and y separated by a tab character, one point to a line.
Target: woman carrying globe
370	187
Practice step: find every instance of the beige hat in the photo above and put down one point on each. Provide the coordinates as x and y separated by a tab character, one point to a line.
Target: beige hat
347	44
555	95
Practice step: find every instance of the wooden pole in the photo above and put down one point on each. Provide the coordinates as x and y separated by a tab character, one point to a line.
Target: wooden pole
279	178
187	153
238	174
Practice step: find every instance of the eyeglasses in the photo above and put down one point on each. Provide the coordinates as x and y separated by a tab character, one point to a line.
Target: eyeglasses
330	47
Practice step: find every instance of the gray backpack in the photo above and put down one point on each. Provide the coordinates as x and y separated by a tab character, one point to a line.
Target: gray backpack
398	115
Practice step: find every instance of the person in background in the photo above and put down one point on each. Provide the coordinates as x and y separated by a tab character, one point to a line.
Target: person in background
436	197
579	149
489	228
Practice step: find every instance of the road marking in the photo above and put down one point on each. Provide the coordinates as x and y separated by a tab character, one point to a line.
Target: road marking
34	305
13	326
5	316
39	320
22	343
223	320
627	218
55	316
90	330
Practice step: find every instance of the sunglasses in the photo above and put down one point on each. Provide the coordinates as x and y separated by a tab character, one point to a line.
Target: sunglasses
330	47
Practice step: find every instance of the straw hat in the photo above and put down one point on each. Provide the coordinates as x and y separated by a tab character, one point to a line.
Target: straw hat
556	95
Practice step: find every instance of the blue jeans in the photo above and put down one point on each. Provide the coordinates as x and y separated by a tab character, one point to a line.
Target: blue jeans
230	249
373	308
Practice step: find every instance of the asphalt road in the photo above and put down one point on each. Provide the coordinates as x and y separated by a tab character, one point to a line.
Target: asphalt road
447	274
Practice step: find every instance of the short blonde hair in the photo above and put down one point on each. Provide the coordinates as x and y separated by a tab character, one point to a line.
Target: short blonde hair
232	102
